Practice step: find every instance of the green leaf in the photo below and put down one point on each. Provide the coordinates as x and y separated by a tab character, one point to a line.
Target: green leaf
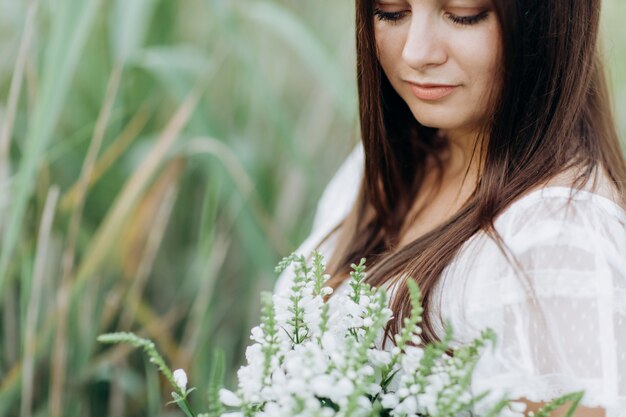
215	383
129	22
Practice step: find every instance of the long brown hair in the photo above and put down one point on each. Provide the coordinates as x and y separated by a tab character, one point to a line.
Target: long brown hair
553	113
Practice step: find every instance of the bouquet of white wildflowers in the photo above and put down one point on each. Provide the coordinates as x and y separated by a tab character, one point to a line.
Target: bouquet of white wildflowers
309	360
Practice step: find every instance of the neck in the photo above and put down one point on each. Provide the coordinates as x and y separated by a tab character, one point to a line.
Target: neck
463	155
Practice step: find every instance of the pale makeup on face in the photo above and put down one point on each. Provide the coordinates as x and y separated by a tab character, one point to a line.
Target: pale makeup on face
443	58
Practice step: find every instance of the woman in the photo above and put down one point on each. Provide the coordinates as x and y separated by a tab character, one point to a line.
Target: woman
492	173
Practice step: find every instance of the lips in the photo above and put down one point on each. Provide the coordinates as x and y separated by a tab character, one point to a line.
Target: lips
432	92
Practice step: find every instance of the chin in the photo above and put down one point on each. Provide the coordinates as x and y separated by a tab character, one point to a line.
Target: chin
440	119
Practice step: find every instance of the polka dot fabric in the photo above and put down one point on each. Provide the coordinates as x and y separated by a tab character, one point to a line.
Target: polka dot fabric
560	314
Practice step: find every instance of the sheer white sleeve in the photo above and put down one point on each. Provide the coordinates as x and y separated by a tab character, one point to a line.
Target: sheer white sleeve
573	337
335	203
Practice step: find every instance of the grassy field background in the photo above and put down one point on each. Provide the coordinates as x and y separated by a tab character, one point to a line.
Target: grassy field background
157	158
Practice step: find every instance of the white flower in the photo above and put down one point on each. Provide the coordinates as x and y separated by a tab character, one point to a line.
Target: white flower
367	370
308	367
180	379
412	358
323	385
365	404
379	357
373	389
364	301
438	381
326	291
250	376
518	407
409	405
257	334
344	388
229	398
330	342
389	400
428	401
515	409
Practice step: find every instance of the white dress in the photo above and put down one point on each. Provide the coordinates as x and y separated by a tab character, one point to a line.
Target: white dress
574	253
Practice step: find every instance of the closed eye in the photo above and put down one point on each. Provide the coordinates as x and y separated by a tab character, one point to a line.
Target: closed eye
389	16
468	20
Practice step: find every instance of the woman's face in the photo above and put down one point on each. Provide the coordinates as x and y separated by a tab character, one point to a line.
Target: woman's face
442	57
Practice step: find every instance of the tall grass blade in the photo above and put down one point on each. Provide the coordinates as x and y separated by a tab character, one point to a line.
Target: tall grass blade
111	155
16	82
60	346
71	25
290	29
129	22
107	233
30	331
153	243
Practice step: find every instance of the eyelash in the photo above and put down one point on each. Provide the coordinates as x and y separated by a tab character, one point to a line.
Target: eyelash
388	16
468	20
459	20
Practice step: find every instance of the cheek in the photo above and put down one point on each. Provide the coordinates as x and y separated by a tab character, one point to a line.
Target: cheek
389	44
480	55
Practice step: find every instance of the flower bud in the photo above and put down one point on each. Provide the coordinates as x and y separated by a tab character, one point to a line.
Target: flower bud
180	379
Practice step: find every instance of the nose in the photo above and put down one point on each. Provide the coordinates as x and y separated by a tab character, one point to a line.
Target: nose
424	47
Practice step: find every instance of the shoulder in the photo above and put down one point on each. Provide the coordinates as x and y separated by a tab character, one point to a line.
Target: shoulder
559	211
556	239
341	192
560	229
561	207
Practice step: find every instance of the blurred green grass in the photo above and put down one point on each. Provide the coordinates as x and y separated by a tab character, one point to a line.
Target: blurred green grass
157	158
614	41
